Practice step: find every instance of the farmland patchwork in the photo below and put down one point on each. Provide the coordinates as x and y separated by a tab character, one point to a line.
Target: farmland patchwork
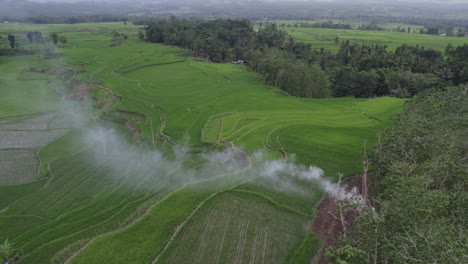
140	153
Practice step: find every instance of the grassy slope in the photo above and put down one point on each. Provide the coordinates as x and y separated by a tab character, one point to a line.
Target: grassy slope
194	95
157	75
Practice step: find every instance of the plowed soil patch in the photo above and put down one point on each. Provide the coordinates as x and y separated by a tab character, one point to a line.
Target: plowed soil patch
327	225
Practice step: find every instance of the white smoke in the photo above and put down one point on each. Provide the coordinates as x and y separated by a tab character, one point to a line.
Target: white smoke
284	176
110	146
276	169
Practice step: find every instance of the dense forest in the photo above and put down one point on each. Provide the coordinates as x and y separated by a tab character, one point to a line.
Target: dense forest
300	70
418	211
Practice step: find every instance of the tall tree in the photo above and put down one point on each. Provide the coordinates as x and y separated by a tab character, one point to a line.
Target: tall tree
418	210
12	40
54	37
63	40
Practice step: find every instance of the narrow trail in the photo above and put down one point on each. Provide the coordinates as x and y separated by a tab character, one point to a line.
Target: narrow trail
273	201
194	211
281	149
163	136
107	105
165	197
327	225
181	225
124	228
50	178
369	117
220	129
135	131
162	126
129	69
155	200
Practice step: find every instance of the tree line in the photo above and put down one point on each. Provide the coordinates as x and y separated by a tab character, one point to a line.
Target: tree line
318	24
31	37
70	19
295	67
432	29
417	213
37	37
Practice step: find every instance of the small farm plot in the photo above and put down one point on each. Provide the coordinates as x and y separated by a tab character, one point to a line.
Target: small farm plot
325	38
29	139
45	121
238	228
32	122
17	166
21	136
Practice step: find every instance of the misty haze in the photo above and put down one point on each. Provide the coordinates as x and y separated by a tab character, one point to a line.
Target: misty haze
219	131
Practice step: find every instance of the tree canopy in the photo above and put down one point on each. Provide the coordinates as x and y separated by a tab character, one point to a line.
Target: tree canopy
418	210
295	67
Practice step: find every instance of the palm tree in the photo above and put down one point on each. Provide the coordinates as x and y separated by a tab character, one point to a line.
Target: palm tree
7	251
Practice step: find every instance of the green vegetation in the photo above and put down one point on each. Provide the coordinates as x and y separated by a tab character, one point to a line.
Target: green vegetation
108	199
228	230
357	70
158	140
7	251
420	195
325	38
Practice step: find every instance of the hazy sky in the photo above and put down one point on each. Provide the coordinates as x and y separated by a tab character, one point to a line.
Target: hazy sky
347	1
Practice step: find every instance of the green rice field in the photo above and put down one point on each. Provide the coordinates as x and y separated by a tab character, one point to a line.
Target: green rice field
146	193
325	38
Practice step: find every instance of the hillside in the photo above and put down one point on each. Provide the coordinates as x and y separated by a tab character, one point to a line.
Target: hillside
138	152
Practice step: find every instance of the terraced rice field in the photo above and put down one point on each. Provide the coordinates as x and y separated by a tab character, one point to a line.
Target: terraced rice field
325	38
228	230
17	166
131	177
31	117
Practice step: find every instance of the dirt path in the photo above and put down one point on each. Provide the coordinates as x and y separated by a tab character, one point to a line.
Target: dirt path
162	126
50	178
135	131
135	221
180	226
328	226
124	228
167	138
220	129
194	211
107	105
281	149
